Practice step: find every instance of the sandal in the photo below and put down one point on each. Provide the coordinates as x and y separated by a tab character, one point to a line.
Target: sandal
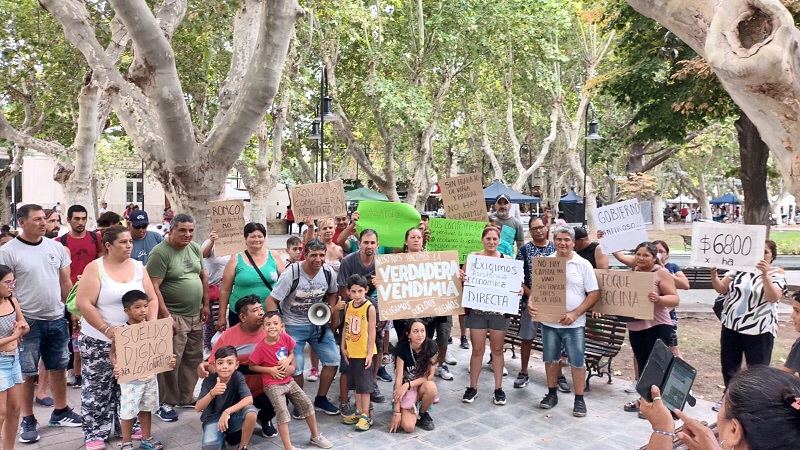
124	446
632	406
151	444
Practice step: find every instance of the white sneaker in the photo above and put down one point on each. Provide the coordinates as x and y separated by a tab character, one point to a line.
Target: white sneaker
450	359
444	373
321	442
631	388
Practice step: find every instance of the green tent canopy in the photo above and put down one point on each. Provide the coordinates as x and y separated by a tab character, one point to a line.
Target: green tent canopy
361	194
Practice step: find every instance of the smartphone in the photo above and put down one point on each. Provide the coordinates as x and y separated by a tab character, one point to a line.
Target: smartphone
655	371
678	384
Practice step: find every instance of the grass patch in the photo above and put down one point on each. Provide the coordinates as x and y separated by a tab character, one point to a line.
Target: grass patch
788	242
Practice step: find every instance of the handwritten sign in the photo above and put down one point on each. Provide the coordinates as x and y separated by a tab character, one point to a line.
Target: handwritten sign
492	284
414	285
549	288
143	349
227	219
622	225
463	198
319	200
461	235
624	293
390	220
729	246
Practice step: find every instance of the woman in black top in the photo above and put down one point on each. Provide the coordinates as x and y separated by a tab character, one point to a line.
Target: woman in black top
414	367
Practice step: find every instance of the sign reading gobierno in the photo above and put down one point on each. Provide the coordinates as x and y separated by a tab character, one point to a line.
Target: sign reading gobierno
622	226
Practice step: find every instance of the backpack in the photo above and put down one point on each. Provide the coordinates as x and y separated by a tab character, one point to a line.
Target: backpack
72	297
63	238
296	277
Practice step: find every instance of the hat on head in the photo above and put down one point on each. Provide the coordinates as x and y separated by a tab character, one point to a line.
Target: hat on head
139	218
580	233
503	196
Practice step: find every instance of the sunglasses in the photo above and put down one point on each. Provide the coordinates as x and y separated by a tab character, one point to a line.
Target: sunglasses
140	227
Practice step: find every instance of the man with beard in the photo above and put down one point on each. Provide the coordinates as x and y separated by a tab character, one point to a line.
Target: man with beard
244	336
51	227
502	212
143	241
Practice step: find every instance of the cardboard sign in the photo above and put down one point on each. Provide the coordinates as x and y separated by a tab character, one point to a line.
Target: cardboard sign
390	220
319	200
143	349
493	284
227	219
729	246
421	284
624	293
622	225
461	235
549	288
463	198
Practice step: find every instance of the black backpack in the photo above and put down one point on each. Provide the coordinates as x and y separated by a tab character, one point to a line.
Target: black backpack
295	268
63	238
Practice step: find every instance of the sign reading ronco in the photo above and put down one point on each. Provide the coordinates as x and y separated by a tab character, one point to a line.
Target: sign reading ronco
227	219
319	200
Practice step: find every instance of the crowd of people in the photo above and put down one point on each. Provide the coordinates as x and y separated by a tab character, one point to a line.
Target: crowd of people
249	314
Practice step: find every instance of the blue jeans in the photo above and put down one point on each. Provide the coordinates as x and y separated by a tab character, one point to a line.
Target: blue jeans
327	350
573	340
48	340
213	439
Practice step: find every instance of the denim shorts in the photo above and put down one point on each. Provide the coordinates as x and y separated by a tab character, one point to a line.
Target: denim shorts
572	339
213	439
10	372
527	327
48	340
327	350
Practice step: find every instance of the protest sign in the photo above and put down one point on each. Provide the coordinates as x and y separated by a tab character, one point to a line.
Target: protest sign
647	211
624	293
319	200
390	220
622	226
463	198
143	349
424	284
729	246
493	284
227	219
548	288
461	235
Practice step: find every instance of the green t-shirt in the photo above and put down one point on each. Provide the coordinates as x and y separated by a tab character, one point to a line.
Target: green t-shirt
246	281
180	269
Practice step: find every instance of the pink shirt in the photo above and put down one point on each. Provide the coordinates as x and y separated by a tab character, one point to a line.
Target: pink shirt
660	313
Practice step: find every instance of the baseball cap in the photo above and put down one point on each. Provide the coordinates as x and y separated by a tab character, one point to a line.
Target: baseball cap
503	196
139	218
580	233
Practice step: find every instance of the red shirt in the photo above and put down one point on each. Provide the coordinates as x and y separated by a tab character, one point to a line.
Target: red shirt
268	355
82	251
245	344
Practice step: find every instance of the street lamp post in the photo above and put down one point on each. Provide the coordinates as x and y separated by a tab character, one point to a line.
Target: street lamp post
590	130
325	114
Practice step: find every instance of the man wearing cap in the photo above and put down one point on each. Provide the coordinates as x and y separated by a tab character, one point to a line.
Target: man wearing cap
502	211
143	241
589	250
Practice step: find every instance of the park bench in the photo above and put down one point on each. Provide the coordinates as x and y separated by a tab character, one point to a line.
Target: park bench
700	277
687	242
604	337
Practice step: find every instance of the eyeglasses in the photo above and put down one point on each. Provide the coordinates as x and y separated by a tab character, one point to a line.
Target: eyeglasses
10	283
538	228
140	227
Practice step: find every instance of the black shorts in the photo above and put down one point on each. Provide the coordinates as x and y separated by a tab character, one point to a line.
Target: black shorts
359	379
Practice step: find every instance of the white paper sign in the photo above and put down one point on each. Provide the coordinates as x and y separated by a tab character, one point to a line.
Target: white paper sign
493	284
622	226
729	246
647	211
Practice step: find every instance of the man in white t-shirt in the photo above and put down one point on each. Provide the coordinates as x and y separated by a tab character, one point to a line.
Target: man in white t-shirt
582	293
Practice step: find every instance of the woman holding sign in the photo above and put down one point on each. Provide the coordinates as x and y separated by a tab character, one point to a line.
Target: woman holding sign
253	271
478	323
749	314
99	295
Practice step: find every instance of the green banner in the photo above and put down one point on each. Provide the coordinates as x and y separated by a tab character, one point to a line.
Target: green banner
390	220
461	235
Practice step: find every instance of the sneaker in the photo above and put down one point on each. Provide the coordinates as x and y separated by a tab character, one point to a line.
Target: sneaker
137	433
436	400
522	380
101	445
364	423
449	339
46	402
70	378
352	419
166	413
563	386
324	405
505	371
66	418
27	430
346	409
631	388
444	373
499	397
464	343
383	375
320	442
549	401
376	395
469	395
296	414
579	408
313	374
268	429
450	359
385	359
425	422
78	382
717	406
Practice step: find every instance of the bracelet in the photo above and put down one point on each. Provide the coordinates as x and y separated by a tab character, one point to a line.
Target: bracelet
105	333
664	433
397	413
